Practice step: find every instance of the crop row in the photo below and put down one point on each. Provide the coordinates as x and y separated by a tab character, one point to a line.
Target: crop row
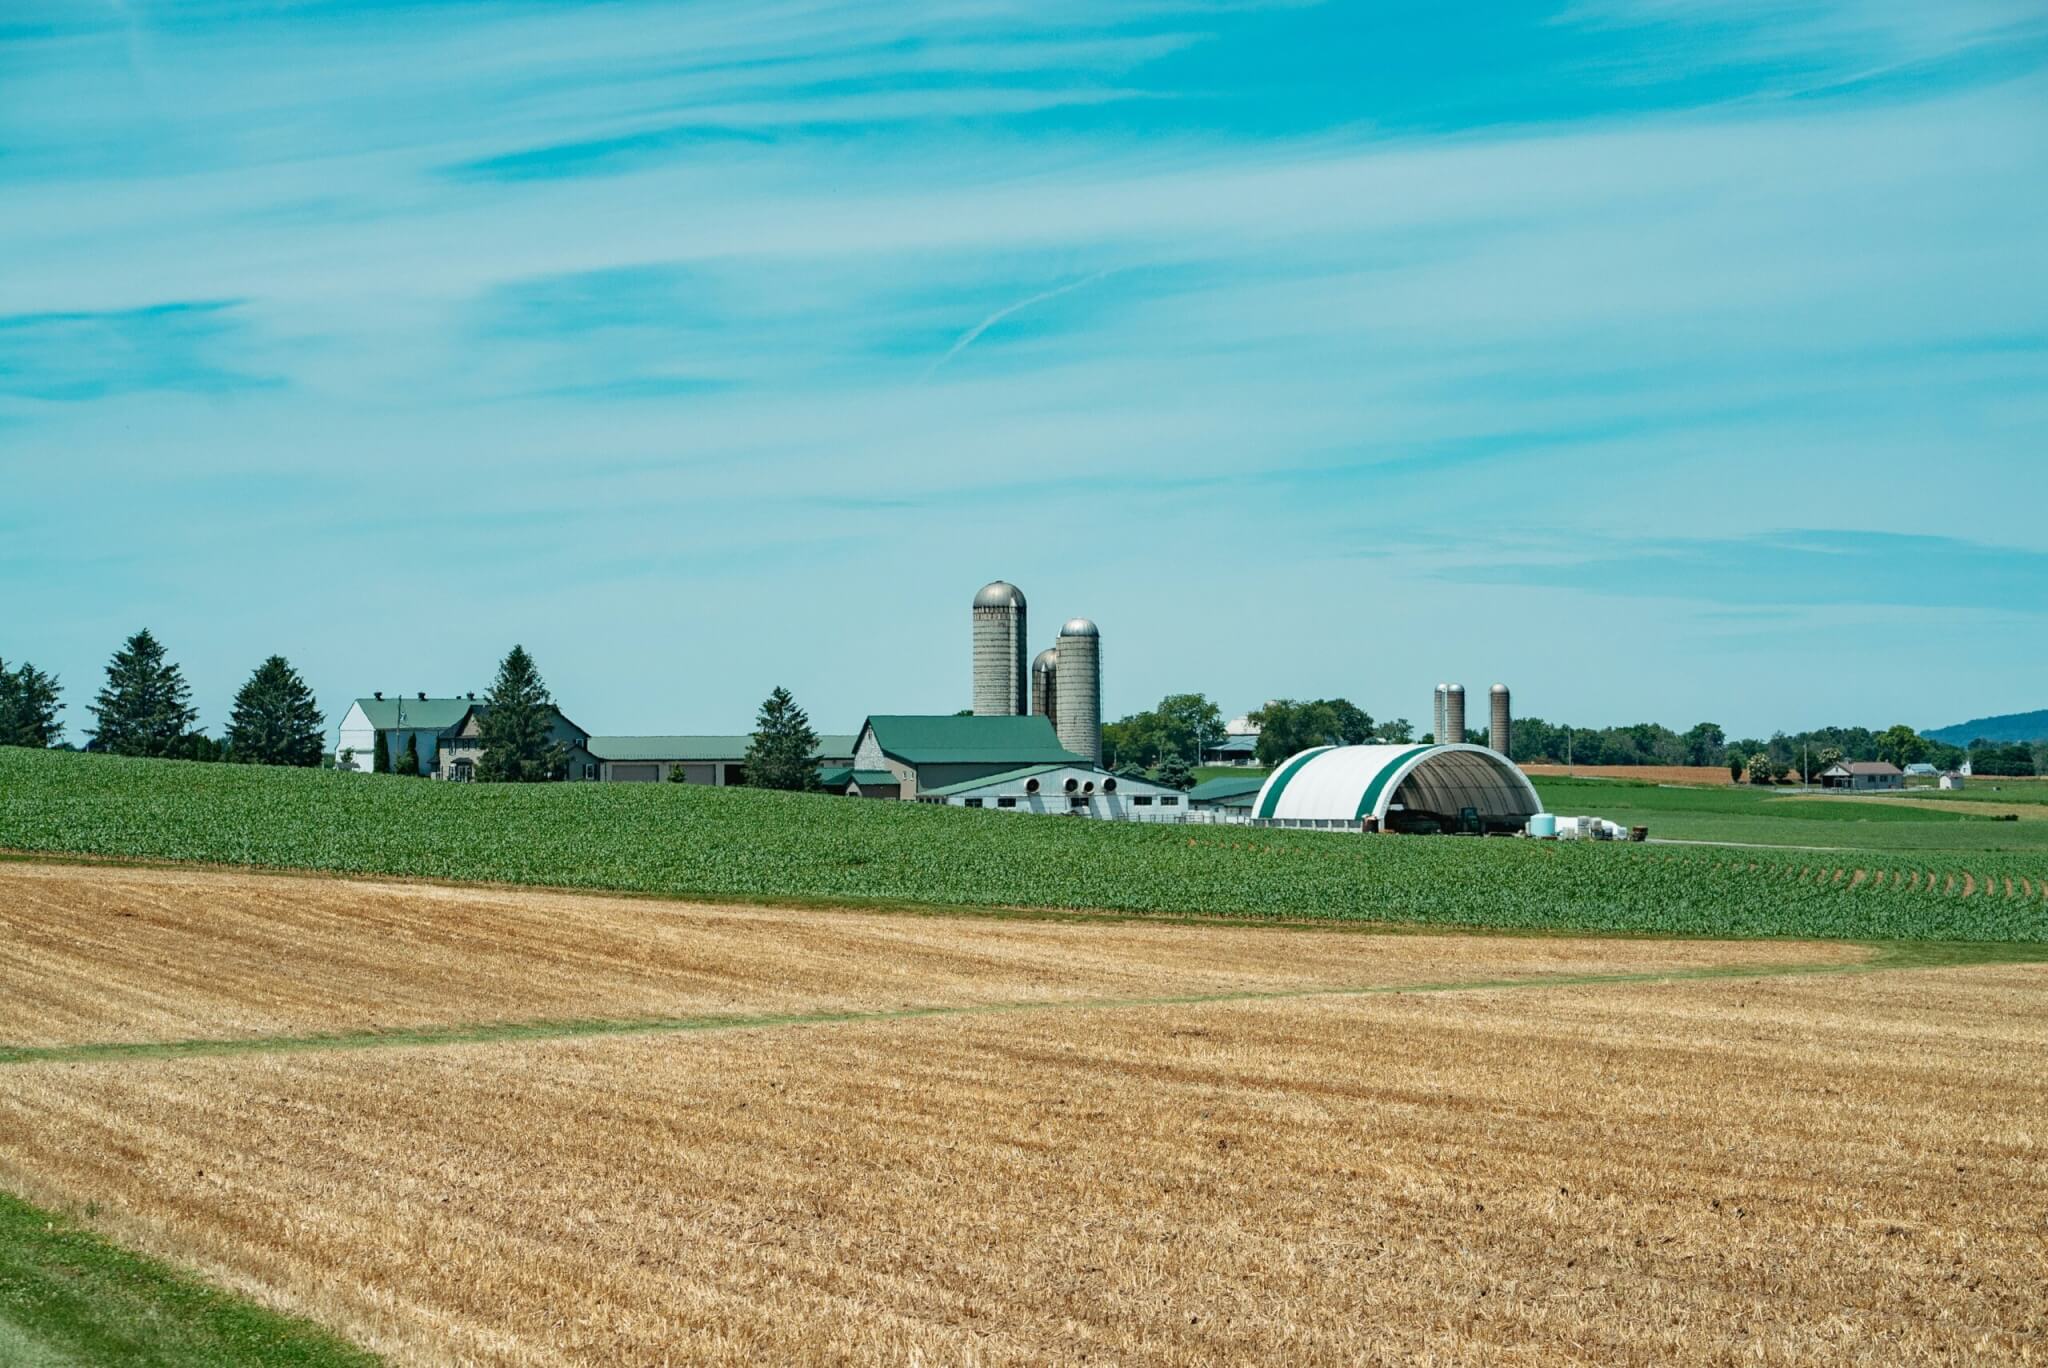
687	840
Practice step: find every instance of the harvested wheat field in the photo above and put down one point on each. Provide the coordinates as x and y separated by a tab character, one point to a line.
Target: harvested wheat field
1842	1165
111	953
1696	776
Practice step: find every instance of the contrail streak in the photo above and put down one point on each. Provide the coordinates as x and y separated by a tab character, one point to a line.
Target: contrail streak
967	338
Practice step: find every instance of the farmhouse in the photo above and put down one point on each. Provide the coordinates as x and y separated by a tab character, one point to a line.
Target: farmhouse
443	733
1863	776
1453	788
715	760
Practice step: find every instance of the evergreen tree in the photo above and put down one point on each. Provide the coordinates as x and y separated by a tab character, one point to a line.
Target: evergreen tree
29	707
146	706
1174	773
518	717
407	762
275	719
783	753
380	761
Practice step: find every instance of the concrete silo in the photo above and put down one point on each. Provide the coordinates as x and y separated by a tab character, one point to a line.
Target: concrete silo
1044	671
1077	689
1436	724
1503	734
1454	716
999	651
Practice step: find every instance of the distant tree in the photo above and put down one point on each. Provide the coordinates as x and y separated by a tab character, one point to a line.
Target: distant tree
1130	772
964	712
29	707
1736	765
1288	726
783	753
407	761
1901	745
1704	744
517	726
346	761
1182	724
1175	773
1760	768
1399	732
275	720
1824	759
380	761
146	706
196	746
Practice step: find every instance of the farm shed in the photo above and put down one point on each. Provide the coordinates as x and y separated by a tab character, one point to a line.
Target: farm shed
926	753
1078	789
1227	793
1405	788
718	760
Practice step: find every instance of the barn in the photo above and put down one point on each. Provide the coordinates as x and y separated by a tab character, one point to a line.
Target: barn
1453	788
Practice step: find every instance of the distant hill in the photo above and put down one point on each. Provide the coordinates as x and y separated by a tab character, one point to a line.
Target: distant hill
2032	726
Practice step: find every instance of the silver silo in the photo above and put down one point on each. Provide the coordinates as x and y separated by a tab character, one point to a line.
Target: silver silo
1454	715
1503	734
1436	726
1077	689
1044	670
999	651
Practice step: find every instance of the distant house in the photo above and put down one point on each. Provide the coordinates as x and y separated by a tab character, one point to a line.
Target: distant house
1863	776
1954	780
715	760
462	747
443	733
1233	750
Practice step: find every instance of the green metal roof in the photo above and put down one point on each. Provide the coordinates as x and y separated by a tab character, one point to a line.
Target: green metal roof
426	714
1018	741
701	748
1227	786
834	776
874	778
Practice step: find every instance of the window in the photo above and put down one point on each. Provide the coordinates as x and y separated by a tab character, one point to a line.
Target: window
1006	802
1169	802
1142	800
974	802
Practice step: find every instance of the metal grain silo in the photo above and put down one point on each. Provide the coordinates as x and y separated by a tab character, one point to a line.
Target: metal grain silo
1077	689
999	651
1503	734
1436	726
1044	671
1454	715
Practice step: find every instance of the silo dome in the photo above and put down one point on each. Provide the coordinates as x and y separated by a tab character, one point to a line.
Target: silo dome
999	594
1076	627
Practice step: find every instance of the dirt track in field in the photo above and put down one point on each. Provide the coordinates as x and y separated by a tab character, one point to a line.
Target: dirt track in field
1838	1167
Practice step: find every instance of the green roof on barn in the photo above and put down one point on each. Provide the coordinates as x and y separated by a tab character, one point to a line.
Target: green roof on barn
423	714
1016	741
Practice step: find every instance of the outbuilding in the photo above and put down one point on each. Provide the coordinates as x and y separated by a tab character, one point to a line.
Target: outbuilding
715	760
1863	776
1451	788
1079	790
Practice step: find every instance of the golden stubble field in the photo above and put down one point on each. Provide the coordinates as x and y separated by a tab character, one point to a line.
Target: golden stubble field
1837	1167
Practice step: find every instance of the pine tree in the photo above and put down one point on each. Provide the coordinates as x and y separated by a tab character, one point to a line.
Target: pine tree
380	761
275	719
28	707
1173	773
783	753
516	725
146	706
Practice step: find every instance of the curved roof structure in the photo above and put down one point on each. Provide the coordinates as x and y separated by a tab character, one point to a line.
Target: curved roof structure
1079	627
1348	783
999	594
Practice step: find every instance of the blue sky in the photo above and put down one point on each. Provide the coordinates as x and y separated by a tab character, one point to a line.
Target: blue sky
1668	359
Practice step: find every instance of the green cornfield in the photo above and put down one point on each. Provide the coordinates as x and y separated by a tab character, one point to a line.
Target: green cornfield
735	843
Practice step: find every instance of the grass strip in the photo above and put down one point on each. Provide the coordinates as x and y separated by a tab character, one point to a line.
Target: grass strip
1902	955
68	1297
